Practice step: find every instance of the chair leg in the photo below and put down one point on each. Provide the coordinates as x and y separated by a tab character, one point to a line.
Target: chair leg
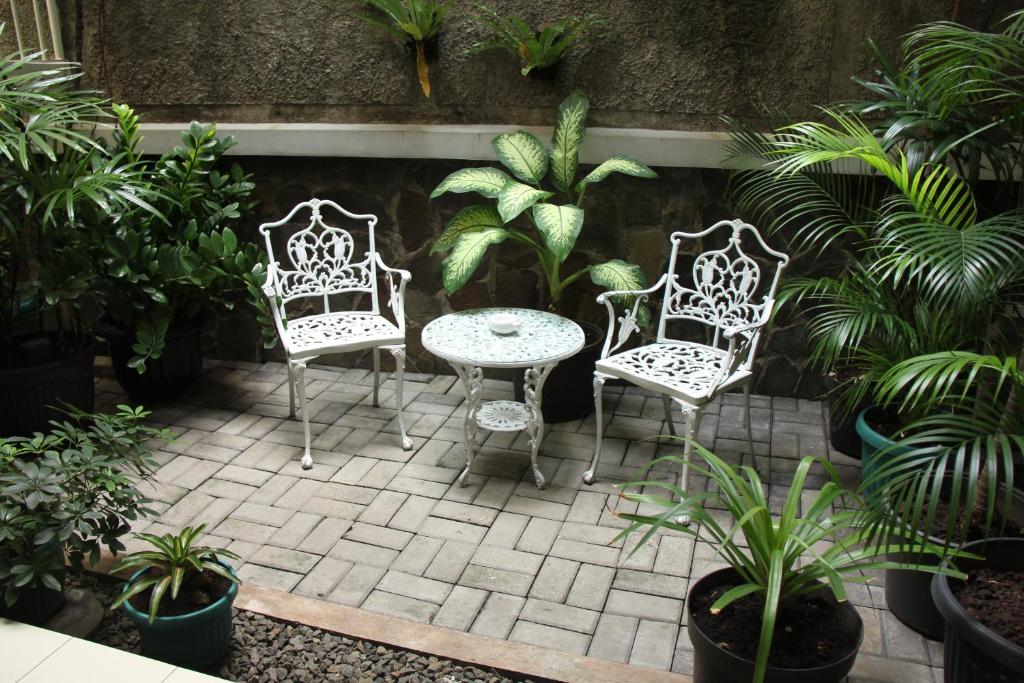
599	380
399	353
693	417
300	377
750	429
291	390
376	377
667	402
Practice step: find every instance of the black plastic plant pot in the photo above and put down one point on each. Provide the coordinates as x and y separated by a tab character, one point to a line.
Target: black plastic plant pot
177	370
908	594
197	640
31	396
714	664
842	430
569	390
973	653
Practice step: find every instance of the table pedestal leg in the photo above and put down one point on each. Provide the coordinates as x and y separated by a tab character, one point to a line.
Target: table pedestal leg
473	382
532	389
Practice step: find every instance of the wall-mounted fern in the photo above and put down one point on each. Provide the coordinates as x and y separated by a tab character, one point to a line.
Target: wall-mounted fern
415	21
537	50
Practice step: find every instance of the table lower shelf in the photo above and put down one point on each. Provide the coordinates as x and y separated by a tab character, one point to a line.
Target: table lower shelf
503	416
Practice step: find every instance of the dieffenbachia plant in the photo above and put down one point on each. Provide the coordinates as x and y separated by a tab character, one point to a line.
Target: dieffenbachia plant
551	227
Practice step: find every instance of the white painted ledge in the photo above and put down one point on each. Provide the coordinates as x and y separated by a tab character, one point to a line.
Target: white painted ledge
35	655
684	149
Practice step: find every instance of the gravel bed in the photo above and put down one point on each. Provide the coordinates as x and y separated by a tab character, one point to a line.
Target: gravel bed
266	650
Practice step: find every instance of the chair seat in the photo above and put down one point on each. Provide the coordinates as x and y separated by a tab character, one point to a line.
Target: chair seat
685	370
339	332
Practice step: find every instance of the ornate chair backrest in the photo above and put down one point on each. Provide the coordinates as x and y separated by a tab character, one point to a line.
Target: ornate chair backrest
722	291
321	259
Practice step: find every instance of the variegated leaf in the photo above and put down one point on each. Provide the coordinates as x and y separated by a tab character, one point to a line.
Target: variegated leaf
617	164
523	154
570	127
559	226
618	275
515	198
485	181
465	256
470	219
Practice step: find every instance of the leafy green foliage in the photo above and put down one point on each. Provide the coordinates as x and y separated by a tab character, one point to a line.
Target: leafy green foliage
553	227
818	541
56	181
167	567
538	49
72	489
154	271
411	20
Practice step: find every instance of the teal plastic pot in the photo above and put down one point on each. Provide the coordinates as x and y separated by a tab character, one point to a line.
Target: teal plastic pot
198	640
871	446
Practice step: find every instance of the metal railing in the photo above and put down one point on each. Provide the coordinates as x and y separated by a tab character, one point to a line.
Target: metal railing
50	25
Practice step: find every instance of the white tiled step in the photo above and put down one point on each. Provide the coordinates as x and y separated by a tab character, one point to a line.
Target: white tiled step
34	655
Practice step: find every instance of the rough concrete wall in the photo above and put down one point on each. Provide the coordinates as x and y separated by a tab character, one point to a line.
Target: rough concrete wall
673	64
626	218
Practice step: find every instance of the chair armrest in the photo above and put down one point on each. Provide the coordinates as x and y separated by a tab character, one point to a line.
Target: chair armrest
627	322
731	332
396	293
404	274
603	297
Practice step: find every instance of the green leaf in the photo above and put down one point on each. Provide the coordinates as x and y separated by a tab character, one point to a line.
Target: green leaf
617	164
466	255
470	219
485	181
515	198
559	226
617	275
523	154
570	127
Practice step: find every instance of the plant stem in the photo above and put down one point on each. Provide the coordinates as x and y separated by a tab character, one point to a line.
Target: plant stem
575	276
421	68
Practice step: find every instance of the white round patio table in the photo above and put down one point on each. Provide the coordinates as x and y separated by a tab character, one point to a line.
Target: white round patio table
466	341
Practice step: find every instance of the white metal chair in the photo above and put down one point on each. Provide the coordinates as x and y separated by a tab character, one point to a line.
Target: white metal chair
723	296
322	265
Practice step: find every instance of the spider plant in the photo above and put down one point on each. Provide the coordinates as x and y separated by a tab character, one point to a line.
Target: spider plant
537	50
550	229
415	21
966	448
818	541
175	557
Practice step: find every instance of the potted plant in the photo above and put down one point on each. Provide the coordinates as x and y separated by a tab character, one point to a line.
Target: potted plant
523	213
67	492
538	52
415	22
778	612
56	181
159	273
191	627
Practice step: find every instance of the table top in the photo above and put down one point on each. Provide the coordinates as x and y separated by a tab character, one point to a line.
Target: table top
464	338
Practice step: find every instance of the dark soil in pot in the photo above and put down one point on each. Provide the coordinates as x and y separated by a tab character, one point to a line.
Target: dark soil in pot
816	638
197	591
44	377
984	616
176	371
569	390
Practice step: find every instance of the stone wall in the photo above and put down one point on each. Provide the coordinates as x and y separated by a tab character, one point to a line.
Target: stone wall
627	218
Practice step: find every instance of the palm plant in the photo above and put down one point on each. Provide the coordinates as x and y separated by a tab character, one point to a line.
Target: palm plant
537	50
417	21
174	559
55	178
552	229
967	446
783	556
921	271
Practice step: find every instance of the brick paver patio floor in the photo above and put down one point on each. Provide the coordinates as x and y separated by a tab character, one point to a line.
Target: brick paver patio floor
391	531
